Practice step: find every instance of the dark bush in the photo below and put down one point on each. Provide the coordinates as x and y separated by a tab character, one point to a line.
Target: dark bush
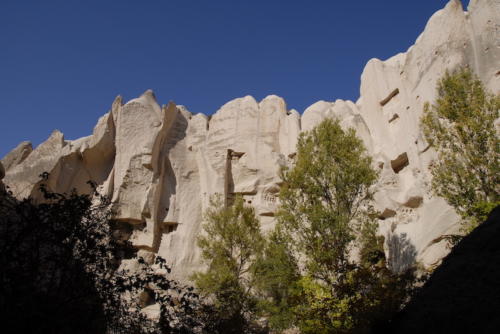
59	272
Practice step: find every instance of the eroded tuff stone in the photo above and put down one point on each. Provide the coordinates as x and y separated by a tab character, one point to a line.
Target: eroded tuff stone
24	177
17	155
160	165
70	164
451	38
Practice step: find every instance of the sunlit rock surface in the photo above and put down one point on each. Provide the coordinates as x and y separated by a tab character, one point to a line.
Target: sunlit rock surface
160	165
17	155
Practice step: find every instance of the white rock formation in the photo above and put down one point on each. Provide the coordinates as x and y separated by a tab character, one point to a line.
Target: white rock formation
400	86
17	155
161	164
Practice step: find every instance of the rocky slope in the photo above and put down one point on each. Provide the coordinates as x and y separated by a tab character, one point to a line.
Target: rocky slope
161	164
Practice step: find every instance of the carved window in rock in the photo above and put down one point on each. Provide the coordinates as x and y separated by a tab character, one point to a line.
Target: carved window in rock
169	228
247	197
269	199
270	196
400	162
387	213
232	155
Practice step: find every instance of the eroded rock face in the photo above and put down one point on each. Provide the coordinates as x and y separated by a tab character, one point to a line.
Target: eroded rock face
17	155
400	86
160	165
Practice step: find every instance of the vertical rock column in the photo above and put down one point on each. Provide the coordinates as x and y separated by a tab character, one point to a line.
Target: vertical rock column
140	130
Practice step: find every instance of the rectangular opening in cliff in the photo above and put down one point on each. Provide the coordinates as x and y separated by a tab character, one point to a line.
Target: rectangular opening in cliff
414	202
235	155
389	97
400	162
388	213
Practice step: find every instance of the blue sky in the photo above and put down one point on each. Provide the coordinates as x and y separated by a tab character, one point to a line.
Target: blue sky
63	62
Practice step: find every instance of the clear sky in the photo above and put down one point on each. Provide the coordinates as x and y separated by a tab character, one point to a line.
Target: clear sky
63	62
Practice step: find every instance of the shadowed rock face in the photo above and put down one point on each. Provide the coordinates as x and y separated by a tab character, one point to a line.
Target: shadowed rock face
160	165
2	175
463	294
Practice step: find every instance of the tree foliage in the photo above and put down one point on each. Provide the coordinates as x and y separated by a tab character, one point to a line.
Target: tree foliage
324	219
460	126
276	281
60	273
231	243
323	198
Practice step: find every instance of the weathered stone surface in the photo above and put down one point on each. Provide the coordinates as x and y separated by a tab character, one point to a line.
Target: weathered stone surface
160	165
70	163
17	155
24	177
451	38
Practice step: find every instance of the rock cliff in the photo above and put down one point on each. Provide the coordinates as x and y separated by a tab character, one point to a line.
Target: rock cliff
159	165
462	295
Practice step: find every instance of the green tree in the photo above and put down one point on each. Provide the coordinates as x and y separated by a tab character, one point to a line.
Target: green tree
324	196
276	281
324	213
460	126
230	245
